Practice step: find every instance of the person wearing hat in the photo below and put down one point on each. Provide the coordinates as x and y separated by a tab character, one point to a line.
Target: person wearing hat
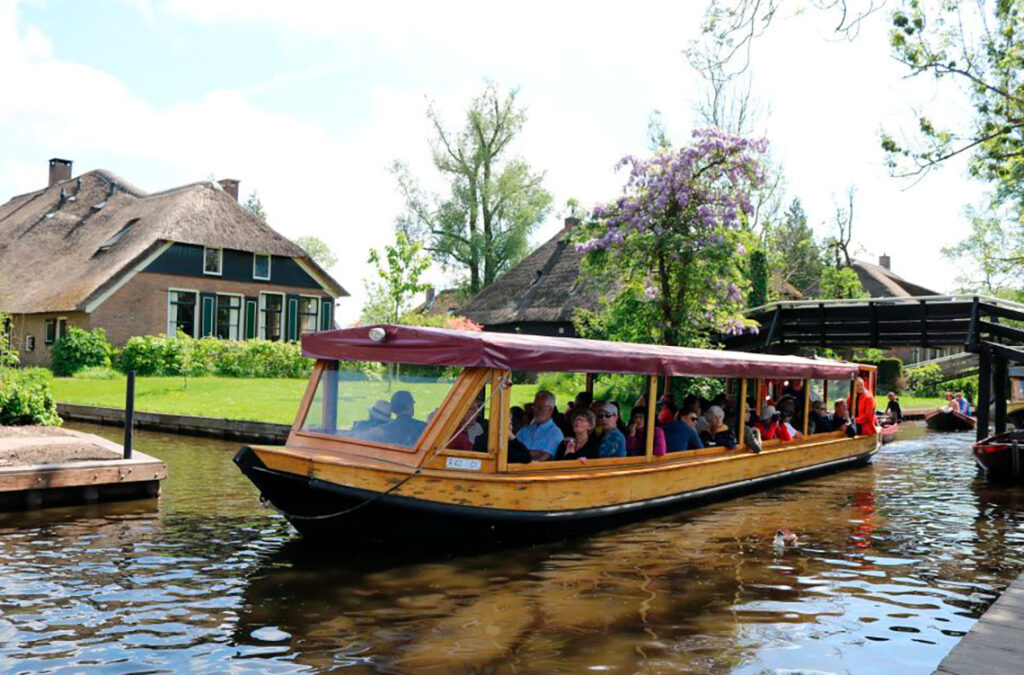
613	442
379	414
770	426
404	430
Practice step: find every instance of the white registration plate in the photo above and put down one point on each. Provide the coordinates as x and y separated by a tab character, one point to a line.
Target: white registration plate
462	463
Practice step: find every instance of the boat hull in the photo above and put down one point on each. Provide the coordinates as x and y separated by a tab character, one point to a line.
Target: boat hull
949	420
326	509
1001	457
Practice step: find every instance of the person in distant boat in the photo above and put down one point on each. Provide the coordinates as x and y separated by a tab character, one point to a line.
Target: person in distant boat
864	409
818	418
949	401
717	432
961	404
613	441
582	444
404	430
840	420
771	427
636	435
893	410
379	414
681	434
541	436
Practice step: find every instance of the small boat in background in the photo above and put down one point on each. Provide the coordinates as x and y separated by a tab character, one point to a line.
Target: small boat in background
1015	413
947	419
889	433
1001	456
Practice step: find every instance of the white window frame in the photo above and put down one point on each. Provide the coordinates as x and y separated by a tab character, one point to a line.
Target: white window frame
220	261
240	326
261	319
172	330
270	263
298	315
30	343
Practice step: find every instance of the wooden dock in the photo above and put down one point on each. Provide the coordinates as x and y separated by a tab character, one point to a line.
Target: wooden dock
49	466
996	643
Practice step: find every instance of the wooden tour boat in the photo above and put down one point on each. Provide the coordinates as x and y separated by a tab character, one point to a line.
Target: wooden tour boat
1001	456
338	477
947	419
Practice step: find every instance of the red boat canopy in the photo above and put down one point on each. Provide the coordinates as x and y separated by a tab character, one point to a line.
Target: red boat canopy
509	351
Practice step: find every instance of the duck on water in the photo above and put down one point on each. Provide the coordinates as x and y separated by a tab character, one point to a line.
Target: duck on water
449	465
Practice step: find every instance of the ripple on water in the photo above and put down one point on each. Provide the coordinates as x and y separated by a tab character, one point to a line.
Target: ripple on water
896	561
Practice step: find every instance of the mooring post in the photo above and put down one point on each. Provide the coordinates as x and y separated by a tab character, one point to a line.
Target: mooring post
984	390
999	378
129	413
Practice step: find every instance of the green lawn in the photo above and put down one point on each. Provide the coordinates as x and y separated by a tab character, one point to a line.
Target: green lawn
913	403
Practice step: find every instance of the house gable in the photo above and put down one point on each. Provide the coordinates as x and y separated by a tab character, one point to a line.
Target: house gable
187	260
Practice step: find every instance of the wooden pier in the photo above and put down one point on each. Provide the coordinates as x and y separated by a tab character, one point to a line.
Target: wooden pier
50	466
996	643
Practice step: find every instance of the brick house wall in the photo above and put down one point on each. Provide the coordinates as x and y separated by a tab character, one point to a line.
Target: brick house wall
24	326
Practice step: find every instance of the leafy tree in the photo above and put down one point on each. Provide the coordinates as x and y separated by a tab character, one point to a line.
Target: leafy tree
758	279
480	227
399	269
318	250
841	283
982	257
794	255
254	206
980	46
678	231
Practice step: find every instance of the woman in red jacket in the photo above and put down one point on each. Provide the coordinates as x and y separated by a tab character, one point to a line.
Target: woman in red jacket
864	412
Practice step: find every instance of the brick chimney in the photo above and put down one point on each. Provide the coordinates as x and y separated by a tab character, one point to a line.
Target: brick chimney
885	261
60	169
230	186
430	295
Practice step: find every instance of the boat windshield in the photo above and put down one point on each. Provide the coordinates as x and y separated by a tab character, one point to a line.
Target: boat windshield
379	403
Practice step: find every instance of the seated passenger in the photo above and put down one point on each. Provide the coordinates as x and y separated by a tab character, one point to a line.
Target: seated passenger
771	427
717	433
379	414
471	432
613	441
541	436
681	434
582	444
404	429
787	423
518	417
666	409
636	435
840	419
962	404
818	419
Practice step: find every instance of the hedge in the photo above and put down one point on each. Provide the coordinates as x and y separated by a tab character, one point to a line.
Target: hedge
25	397
890	372
162	355
80	349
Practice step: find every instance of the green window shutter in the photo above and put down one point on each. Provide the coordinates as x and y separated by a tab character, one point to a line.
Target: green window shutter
326	320
209	326
292	321
250	318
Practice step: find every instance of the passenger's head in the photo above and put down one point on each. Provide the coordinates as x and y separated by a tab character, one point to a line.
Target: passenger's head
638	416
859	382
715	416
583	400
517	416
609	415
381	411
816	406
949	396
543	406
689	416
583	422
892	396
767	413
959	396
840	407
402	404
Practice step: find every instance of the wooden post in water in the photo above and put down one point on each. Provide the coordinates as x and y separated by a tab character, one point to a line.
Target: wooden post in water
129	413
999	391
984	391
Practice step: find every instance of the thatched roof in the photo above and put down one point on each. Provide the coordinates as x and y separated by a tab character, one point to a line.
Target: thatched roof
441	303
545	287
50	257
880	282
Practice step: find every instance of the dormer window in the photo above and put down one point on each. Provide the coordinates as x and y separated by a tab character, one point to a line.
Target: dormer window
213	259
261	267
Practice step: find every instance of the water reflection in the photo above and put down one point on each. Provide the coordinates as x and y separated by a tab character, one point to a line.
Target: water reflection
894	563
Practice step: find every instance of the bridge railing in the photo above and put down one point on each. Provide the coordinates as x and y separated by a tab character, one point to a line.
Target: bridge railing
912	300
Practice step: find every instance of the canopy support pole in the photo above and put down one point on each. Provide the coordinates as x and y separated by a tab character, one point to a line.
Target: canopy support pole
807	406
652	398
741	423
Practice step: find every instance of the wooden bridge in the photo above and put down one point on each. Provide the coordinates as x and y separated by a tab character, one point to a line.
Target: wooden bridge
988	327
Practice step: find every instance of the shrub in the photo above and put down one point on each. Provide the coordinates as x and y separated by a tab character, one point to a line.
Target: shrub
890	373
80	349
25	397
925	381
161	355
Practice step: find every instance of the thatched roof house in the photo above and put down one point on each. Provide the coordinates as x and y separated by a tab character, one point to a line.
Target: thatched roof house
86	247
880	281
540	294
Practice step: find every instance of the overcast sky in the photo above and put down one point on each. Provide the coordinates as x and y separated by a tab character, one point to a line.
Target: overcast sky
309	102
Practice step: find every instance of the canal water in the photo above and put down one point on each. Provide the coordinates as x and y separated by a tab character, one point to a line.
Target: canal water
895	561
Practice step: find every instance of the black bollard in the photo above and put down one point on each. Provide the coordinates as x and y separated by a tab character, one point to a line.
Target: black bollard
129	413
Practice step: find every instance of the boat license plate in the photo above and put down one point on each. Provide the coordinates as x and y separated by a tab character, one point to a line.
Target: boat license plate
463	463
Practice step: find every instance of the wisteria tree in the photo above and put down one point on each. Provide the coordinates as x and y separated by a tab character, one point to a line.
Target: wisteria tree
677	236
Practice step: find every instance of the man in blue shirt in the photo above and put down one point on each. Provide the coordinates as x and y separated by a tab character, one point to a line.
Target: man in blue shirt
542	436
962	404
682	434
613	442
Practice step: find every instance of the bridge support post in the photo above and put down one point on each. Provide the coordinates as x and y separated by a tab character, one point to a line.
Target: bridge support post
984	391
999	382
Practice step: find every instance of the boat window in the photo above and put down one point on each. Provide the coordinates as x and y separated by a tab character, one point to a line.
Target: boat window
471	433
380	403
